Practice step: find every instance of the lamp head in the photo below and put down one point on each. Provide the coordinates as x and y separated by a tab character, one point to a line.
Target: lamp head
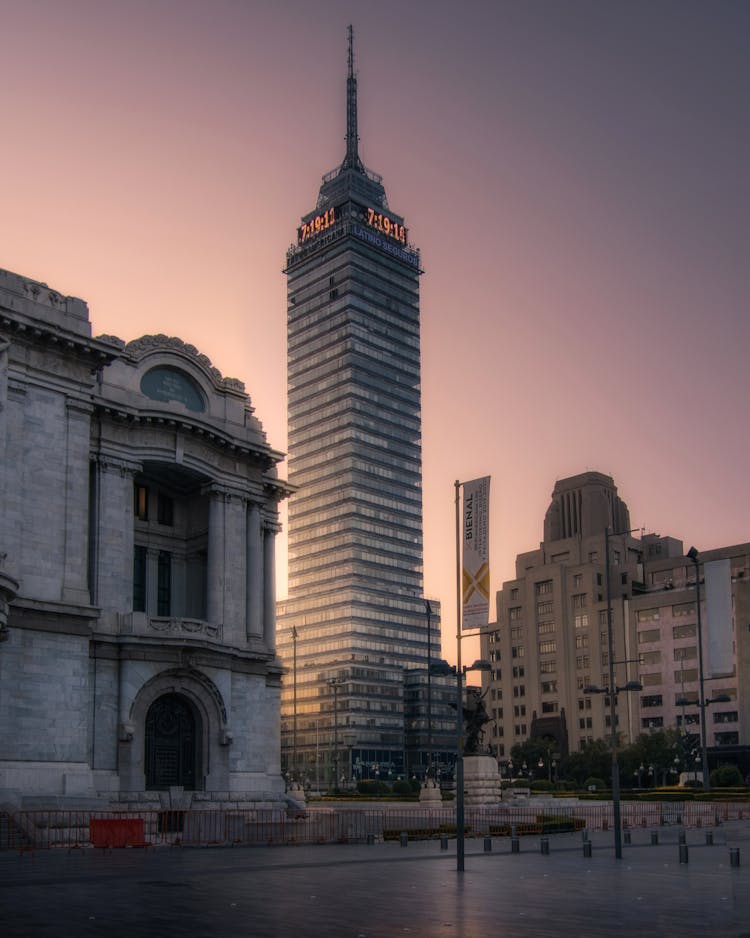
693	554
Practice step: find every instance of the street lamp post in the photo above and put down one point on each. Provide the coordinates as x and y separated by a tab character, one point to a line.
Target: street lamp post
693	555
428	610
335	683
612	691
443	668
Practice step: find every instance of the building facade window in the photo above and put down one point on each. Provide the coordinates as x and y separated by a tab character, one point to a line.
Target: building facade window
683	631
139	578
648	636
164	584
140	502
726	716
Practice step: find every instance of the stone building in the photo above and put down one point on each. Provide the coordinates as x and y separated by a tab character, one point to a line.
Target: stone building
550	640
138	513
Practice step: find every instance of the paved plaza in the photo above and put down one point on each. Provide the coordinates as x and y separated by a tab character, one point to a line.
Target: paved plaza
386	890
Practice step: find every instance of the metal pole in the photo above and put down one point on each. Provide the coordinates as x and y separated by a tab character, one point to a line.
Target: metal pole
459	700
428	610
613	707
459	775
702	702
335	736
294	685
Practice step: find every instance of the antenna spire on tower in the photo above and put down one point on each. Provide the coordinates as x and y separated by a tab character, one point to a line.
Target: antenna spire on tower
351	160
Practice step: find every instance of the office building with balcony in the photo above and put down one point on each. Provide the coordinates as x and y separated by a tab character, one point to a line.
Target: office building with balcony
550	639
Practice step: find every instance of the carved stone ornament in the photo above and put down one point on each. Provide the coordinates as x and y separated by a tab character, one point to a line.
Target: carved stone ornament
148	343
127	732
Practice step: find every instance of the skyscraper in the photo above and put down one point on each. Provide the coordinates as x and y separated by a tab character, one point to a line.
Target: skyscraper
356	620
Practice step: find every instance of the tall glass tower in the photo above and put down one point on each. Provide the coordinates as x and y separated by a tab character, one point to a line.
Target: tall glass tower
356	623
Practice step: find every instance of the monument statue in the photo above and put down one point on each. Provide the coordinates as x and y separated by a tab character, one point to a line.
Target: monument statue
475	717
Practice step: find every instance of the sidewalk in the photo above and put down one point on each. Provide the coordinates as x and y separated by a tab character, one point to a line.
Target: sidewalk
386	890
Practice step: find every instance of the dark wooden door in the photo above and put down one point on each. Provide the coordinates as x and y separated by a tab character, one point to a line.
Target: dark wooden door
171	744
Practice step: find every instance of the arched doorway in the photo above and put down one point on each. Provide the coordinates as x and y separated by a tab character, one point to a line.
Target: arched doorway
172	744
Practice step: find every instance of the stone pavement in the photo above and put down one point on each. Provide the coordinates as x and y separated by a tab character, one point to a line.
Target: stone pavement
386	890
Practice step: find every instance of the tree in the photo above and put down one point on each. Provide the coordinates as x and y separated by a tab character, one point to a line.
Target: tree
656	757
593	759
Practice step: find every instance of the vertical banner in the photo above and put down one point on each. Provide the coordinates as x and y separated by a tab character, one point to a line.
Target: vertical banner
476	554
718	625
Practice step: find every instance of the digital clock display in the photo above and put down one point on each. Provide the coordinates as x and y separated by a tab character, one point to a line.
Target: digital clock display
317	224
386	225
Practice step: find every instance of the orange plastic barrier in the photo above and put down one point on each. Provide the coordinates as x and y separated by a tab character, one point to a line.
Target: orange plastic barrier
117	832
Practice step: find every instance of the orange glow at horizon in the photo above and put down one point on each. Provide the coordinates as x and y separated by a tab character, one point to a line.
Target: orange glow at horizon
577	189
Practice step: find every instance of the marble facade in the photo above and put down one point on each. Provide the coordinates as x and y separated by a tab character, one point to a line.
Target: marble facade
138	511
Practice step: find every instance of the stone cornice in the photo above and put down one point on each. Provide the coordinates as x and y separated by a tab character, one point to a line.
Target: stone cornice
211	433
98	351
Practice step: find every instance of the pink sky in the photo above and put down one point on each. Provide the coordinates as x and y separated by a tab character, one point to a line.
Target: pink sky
574	173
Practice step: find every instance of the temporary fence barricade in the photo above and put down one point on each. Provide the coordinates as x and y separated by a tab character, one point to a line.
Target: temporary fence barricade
36	830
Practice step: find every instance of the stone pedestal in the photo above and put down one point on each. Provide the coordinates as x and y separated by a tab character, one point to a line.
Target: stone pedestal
481	781
296	792
429	793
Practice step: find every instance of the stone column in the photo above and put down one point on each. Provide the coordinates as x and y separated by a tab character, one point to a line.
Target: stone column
235	569
215	574
8	591
112	504
75	586
269	586
254	581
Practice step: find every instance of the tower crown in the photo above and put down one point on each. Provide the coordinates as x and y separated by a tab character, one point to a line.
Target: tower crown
351	160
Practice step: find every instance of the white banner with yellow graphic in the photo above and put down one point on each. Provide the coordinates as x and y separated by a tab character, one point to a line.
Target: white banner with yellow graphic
476	554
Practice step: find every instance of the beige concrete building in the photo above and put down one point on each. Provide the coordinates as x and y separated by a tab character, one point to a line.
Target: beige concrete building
550	640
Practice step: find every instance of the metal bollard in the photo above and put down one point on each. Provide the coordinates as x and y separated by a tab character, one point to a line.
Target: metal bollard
681	837
370	840
734	856
709	838
515	845
403	839
544	845
587	848
626	837
654	838
443	841
585	834
683	853
488	845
